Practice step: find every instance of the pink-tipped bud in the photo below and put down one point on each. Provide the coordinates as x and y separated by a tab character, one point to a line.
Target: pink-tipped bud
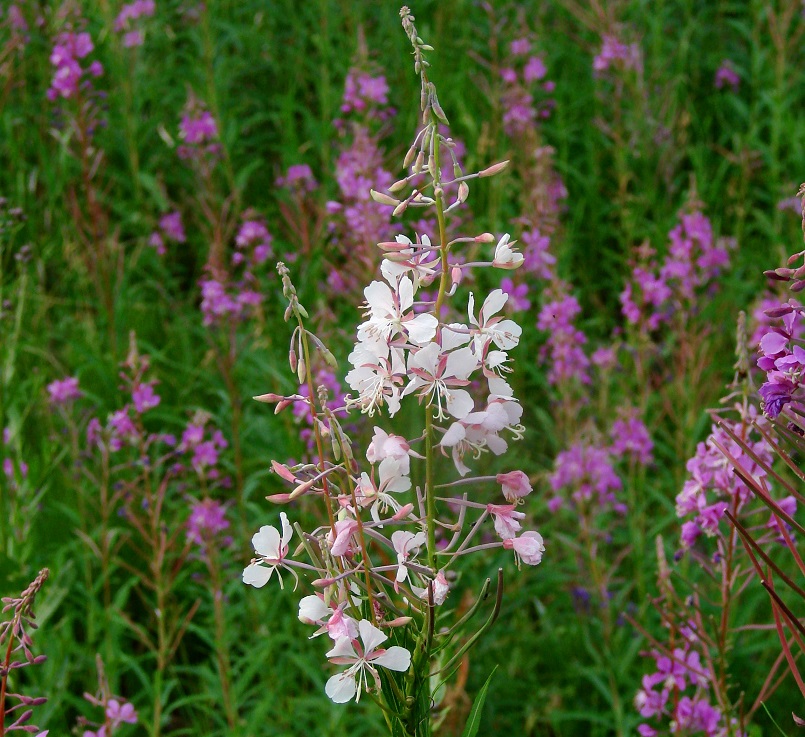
494	169
780	311
774	276
399	185
292	359
268	398
400	209
798	286
392	246
283	472
398	622
303	488
484	238
284	404
403	512
279	498
323	583
456	274
463	192
419	163
383	199
434	174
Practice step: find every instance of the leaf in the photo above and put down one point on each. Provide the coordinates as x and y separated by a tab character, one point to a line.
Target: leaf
474	719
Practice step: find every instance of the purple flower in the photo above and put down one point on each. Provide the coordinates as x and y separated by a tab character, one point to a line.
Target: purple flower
205	455
197	130
64	390
586	471
727	76
615	53
631	437
776	393
534	69
207	519
171	225
518	295
144	398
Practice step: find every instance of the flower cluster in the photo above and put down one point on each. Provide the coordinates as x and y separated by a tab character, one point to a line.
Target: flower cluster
659	291
563	351
665	693
129	21
585	473
713	486
68	50
615	54
520	77
233	296
170	229
199	133
381	574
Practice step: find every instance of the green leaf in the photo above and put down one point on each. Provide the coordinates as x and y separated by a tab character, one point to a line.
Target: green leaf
474	720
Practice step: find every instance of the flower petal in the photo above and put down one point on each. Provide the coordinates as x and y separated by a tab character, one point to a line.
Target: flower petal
341	688
395	658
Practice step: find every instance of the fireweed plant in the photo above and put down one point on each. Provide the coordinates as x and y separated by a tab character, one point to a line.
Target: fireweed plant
384	562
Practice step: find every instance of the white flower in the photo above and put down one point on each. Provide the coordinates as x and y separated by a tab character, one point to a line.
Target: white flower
420	264
333	621
389	316
392	480
505	256
505	334
436	373
355	679
272	549
376	378
406	544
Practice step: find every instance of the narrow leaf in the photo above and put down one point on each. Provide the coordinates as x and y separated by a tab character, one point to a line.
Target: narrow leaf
474	719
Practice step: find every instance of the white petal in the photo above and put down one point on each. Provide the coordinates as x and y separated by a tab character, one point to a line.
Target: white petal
459	403
312	609
395	658
422	328
371	636
287	530
378	296
343	649
454	335
256	575
405	290
471	309
454	435
341	688
493	304
460	364
267	542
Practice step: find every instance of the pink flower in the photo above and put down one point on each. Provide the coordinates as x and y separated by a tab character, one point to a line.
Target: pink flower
144	398
506	519
515	485
527	548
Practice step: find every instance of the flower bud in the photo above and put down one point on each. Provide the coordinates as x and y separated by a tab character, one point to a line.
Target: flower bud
484	238
383	199
463	192
292	359
399	185
268	398
398	622
400	209
494	169
284	404
409	157
301	371
455	275
420	160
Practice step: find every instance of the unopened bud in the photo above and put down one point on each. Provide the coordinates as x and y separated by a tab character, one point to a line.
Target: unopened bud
484	238
292	359
455	275
403	512
463	192
283	472
279	498
437	109
420	160
432	168
494	169
409	157
268	398
398	622
399	185
774	276
301	371
400	209
780	311
302	489
284	404
323	583
798	286
383	199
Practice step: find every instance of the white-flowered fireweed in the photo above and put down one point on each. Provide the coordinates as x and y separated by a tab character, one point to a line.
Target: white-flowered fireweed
398	524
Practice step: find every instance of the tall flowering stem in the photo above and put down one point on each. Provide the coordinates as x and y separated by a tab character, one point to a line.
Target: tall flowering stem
383	562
